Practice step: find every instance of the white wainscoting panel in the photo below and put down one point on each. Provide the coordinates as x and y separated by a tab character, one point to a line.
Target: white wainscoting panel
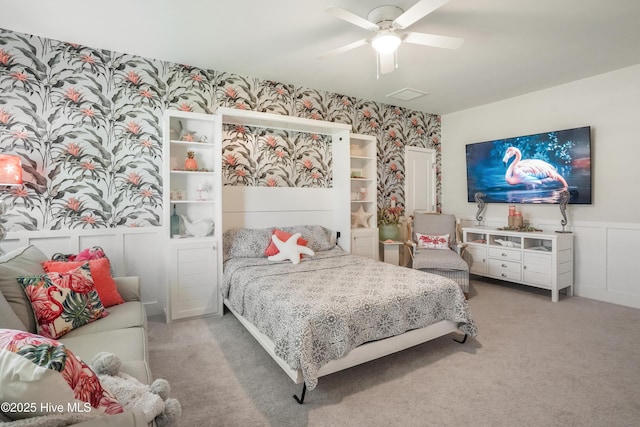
589	254
605	264
131	251
622	262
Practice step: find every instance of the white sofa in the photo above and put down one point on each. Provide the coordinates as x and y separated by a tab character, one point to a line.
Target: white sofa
122	332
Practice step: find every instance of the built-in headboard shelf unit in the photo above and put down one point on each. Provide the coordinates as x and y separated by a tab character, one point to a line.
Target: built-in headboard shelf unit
260	207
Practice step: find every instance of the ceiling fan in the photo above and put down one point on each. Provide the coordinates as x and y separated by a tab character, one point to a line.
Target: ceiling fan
384	21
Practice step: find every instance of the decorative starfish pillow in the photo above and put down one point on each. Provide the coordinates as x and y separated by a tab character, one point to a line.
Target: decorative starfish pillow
272	249
290	249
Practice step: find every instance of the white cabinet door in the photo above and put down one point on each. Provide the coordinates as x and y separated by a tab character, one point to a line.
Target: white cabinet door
193	279
364	242
477	258
537	269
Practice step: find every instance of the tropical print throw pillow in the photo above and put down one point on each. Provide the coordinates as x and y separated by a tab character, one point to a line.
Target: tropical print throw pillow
62	302
44	374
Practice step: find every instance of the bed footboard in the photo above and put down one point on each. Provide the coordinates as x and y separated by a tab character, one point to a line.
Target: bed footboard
362	354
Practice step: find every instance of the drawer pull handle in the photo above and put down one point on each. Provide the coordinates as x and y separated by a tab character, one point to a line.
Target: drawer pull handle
503	275
503	254
504	265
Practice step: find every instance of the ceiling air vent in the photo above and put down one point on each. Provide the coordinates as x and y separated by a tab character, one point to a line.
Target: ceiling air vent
407	94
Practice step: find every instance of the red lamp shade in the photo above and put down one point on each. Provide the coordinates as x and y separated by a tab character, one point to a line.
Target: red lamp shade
10	170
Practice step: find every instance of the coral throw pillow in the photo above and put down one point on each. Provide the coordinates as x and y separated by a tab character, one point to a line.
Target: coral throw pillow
272	249
432	242
39	373
62	302
100	272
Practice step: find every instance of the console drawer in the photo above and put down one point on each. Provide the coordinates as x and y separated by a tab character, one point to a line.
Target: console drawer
507	270
508	254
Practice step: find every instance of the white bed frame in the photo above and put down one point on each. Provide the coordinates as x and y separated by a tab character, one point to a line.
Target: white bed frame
261	207
362	354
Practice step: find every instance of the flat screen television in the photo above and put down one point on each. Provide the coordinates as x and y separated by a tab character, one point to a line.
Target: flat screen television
532	168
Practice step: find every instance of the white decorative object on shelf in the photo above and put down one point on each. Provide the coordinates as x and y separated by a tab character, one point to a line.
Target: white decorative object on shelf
361	218
204	187
362	194
200	228
508	243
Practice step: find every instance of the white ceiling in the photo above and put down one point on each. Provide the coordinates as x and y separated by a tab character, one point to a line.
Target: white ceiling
511	47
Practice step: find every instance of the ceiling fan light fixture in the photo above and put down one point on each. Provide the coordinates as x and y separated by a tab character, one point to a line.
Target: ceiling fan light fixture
386	42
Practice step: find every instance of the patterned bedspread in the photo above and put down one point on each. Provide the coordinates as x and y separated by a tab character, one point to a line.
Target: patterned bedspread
325	306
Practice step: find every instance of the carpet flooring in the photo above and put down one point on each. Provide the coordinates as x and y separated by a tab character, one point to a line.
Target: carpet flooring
534	363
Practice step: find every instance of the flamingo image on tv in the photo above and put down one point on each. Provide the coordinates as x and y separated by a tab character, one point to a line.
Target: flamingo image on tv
531	172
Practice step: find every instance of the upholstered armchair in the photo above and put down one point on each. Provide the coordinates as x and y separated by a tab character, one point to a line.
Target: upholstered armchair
436	248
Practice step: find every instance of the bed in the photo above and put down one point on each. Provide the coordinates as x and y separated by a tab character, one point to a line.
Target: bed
334	333
333	310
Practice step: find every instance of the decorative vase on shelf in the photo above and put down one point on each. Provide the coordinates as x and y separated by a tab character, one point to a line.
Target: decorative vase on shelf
175	223
190	162
389	232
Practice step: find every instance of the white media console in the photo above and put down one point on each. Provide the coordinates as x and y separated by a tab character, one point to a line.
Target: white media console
539	259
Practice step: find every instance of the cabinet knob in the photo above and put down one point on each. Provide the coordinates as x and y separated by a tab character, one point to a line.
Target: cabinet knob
503	275
524	267
504	265
503	254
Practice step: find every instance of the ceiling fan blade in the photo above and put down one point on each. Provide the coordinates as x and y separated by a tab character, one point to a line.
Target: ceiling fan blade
416	12
387	62
352	18
342	49
434	40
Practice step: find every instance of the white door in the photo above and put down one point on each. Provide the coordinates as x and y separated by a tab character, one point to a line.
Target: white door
420	180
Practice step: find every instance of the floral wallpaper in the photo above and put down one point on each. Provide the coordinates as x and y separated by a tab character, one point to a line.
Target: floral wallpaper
87	124
275	158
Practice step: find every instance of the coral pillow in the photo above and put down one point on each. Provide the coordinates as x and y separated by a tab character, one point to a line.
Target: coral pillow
62	302
272	249
36	371
100	272
432	242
